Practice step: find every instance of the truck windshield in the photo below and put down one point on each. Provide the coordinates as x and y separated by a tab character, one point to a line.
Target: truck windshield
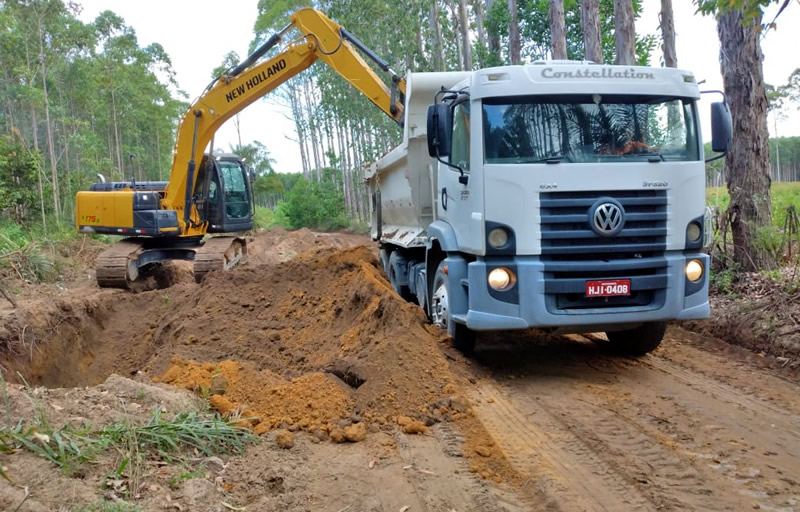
589	128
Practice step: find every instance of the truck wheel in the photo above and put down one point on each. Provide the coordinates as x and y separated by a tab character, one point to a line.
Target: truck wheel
638	341
383	258
463	336
395	260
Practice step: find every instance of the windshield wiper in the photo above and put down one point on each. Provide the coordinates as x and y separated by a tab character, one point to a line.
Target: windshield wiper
552	159
652	156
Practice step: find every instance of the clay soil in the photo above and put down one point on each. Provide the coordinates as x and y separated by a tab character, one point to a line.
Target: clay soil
361	405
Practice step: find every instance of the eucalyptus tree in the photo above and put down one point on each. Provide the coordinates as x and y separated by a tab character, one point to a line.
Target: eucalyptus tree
739	25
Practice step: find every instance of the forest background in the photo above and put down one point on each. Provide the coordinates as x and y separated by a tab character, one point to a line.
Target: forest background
80	98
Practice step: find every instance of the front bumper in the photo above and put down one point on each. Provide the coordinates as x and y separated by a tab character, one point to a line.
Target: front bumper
529	306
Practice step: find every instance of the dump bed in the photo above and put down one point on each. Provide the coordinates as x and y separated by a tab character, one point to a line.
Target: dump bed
402	184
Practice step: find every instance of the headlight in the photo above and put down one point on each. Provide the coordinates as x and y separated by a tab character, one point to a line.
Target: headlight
501	279
693	232
498	237
694	271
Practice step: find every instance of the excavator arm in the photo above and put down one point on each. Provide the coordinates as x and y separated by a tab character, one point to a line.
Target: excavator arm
239	87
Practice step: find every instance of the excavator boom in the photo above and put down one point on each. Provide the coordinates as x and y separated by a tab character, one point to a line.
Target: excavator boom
323	39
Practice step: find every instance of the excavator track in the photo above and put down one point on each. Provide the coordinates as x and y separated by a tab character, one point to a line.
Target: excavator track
116	267
219	253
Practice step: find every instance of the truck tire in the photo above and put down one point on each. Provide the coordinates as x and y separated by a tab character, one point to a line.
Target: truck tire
639	341
383	258
395	260
463	336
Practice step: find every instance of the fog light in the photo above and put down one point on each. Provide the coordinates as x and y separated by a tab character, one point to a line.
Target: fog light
501	279
498	237
693	232
694	270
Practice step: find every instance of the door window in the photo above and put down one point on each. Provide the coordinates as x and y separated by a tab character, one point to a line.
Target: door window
237	205
459	152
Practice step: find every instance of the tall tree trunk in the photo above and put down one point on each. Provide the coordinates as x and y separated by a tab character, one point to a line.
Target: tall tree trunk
590	24
514	43
624	32
50	149
38	168
747	162
558	29
237	123
493	40
312	126
668	34
117	143
479	22
438	42
467	45
158	156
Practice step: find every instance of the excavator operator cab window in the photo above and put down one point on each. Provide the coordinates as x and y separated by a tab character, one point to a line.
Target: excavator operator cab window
237	203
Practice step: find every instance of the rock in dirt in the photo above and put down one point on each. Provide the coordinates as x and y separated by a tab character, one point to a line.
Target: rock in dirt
337	435
355	432
411	426
284	439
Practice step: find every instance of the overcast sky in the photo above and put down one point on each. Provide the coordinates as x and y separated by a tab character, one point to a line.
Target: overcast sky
198	33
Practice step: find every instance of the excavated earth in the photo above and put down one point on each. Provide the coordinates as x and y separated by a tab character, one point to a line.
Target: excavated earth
361	405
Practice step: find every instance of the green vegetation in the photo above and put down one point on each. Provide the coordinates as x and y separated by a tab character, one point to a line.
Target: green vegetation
111	506
781	241
784	195
264	217
30	252
312	205
166	439
77	99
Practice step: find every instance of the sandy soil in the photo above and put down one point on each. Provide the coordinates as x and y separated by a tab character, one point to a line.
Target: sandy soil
309	340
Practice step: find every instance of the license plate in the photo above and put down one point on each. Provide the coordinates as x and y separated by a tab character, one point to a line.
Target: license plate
610	288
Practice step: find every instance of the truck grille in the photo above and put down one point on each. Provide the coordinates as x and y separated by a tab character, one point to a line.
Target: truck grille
573	253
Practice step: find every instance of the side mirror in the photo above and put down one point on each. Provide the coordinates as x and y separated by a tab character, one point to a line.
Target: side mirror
251	174
439	130
721	127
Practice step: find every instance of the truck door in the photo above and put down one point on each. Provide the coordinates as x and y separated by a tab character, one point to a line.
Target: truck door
460	194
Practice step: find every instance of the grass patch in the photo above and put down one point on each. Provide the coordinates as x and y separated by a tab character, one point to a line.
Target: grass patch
780	241
31	253
166	439
110	506
784	195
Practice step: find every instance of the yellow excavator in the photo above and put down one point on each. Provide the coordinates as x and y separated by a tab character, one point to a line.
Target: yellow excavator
212	194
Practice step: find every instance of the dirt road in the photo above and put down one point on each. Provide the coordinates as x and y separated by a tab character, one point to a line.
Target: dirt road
532	422
682	429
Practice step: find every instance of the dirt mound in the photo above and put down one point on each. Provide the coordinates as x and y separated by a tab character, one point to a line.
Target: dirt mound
331	312
320	343
277	245
262	398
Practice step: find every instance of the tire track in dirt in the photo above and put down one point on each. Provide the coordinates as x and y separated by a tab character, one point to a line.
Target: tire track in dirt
604	433
788	422
563	466
429	469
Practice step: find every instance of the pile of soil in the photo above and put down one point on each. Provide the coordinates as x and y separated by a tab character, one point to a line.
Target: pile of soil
320	343
277	245
312	343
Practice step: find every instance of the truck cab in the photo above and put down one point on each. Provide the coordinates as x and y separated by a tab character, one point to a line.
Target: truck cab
568	196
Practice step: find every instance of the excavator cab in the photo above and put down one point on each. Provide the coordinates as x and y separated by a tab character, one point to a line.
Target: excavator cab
223	194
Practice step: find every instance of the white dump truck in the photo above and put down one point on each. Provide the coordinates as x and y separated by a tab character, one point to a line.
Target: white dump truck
562	195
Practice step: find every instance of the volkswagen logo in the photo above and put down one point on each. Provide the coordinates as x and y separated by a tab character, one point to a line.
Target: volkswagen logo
607	217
